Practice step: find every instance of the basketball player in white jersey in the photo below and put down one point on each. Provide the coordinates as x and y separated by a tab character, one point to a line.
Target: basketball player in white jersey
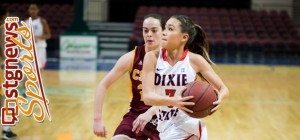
165	74
41	33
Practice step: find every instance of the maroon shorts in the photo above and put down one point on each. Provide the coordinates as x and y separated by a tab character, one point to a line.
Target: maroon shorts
125	128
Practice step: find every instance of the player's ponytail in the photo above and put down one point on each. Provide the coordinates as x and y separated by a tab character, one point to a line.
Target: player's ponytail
198	43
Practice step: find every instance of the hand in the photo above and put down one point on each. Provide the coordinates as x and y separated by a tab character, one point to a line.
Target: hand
99	128
37	38
218	102
181	102
140	122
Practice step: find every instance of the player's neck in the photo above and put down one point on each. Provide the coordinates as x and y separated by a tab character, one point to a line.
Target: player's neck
34	17
174	56
148	49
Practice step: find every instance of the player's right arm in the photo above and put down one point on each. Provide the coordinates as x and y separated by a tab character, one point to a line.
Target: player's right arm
47	33
121	67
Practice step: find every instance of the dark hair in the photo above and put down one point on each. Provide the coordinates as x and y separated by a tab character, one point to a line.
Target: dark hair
35	3
158	17
198	42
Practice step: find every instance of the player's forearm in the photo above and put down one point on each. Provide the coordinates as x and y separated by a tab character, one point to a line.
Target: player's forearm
45	37
158	100
99	100
223	91
151	111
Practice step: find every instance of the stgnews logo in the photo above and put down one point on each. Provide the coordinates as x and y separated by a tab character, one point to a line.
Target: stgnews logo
20	66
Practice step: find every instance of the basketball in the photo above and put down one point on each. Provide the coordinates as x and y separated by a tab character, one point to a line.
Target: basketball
204	96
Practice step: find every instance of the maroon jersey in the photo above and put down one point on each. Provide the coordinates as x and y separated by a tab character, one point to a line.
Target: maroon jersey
136	104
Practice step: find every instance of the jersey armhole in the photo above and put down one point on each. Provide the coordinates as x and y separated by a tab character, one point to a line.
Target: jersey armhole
132	61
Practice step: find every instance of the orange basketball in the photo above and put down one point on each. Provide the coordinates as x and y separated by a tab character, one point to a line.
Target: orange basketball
204	96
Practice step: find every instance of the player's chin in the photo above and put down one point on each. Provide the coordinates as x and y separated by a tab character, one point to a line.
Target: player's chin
149	43
163	44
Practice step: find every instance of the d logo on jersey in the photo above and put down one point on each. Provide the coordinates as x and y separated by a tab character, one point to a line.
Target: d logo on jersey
171	79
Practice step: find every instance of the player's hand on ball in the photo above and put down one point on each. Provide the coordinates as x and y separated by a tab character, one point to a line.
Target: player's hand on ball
140	122
218	102
181	102
99	128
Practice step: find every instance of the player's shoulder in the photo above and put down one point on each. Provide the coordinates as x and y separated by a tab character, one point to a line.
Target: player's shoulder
26	20
139	51
125	60
43	20
129	54
153	54
194	56
196	59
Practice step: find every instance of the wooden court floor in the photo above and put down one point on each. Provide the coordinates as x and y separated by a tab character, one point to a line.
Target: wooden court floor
264	104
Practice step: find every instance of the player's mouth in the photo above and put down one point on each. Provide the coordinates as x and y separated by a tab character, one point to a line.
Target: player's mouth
149	41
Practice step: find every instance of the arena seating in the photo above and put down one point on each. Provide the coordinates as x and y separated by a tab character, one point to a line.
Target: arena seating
237	35
59	16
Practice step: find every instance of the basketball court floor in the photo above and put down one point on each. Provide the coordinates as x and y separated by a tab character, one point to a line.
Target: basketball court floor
263	105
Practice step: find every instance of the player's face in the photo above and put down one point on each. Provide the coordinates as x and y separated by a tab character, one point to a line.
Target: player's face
152	32
33	10
172	35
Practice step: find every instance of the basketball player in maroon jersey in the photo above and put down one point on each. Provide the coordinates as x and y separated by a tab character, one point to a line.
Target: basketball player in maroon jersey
131	62
183	55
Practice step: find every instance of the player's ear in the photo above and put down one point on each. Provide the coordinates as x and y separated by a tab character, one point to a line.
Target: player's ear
185	37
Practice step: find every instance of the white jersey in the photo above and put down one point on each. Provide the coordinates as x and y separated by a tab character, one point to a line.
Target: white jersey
41	45
169	81
38	30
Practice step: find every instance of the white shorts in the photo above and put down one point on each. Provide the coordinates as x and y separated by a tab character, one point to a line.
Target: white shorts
41	56
176	132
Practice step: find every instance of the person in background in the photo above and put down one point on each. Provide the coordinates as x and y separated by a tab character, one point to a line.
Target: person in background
41	33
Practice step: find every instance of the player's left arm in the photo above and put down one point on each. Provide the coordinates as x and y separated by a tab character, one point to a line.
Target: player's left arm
202	66
47	33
